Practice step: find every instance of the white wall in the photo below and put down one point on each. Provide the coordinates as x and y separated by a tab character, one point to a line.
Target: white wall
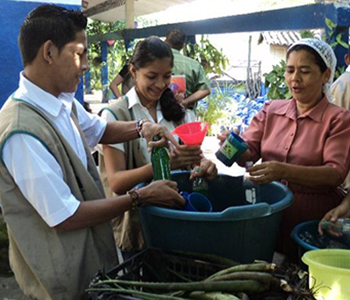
235	47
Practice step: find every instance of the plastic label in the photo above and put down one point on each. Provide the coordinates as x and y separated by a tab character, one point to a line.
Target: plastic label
250	195
228	150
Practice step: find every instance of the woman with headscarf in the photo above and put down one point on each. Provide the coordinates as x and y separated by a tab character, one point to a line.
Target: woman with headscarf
304	142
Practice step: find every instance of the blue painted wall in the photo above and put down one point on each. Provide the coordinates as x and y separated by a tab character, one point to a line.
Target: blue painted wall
12	14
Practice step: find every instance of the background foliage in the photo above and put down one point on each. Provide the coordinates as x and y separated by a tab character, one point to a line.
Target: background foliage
212	59
117	55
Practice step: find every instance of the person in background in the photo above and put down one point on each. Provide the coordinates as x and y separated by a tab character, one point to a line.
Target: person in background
125	165
125	79
197	84
340	89
303	142
51	195
341	96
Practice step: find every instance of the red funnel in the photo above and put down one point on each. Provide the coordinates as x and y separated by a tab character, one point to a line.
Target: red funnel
191	133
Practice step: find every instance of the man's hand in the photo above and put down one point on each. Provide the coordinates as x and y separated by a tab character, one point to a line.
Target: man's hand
162	193
149	130
207	169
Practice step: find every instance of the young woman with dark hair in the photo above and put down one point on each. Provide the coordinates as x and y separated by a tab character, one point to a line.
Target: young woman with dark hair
125	165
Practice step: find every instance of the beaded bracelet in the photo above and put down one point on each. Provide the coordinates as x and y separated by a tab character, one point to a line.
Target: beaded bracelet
135	196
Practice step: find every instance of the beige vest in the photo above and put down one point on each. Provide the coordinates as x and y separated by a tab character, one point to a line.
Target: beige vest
127	227
50	264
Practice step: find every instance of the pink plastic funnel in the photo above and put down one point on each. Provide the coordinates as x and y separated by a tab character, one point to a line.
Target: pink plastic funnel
191	133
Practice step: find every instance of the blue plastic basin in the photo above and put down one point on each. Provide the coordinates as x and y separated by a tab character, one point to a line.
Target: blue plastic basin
309	226
234	229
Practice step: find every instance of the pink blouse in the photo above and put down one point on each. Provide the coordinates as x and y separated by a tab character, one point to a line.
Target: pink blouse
319	137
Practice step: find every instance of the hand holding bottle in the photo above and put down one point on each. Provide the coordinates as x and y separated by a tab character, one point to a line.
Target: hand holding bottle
150	129
341	211
338	228
207	169
184	156
267	171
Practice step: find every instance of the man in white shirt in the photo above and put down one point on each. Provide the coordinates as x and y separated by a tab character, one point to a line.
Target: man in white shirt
34	168
341	96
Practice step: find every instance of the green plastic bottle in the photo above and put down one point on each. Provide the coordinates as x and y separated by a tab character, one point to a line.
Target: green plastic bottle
342	225
160	162
200	185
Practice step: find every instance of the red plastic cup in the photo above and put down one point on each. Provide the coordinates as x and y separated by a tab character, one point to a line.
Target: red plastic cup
191	133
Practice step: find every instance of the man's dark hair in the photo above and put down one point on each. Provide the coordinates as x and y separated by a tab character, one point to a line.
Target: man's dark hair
48	22
176	38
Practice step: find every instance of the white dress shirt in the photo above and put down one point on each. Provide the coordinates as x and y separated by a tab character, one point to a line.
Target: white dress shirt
141	112
33	168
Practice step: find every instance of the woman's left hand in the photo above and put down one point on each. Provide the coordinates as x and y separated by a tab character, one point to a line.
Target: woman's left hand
207	169
185	156
341	211
266	172
150	129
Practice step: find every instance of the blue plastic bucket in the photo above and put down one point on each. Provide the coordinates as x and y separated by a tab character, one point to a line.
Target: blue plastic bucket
312	228
234	229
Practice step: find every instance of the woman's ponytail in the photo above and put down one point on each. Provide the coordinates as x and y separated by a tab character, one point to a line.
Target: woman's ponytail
172	110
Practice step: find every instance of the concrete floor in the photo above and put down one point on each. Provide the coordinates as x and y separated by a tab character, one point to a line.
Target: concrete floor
9	289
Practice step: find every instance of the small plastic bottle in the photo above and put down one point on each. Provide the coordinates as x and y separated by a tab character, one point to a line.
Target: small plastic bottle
342	225
200	185
160	162
251	190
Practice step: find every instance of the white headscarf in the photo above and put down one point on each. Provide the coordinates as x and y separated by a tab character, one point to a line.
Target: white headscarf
327	54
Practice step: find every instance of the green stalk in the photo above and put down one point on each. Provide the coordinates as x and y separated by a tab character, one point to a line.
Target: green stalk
249	286
212	296
143	295
249	267
262	277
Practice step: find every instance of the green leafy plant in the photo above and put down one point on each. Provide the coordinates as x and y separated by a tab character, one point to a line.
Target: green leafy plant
334	38
117	54
334	35
212	59
304	34
278	88
213	107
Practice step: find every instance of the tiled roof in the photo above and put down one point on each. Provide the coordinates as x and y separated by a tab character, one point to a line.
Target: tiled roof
284	38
